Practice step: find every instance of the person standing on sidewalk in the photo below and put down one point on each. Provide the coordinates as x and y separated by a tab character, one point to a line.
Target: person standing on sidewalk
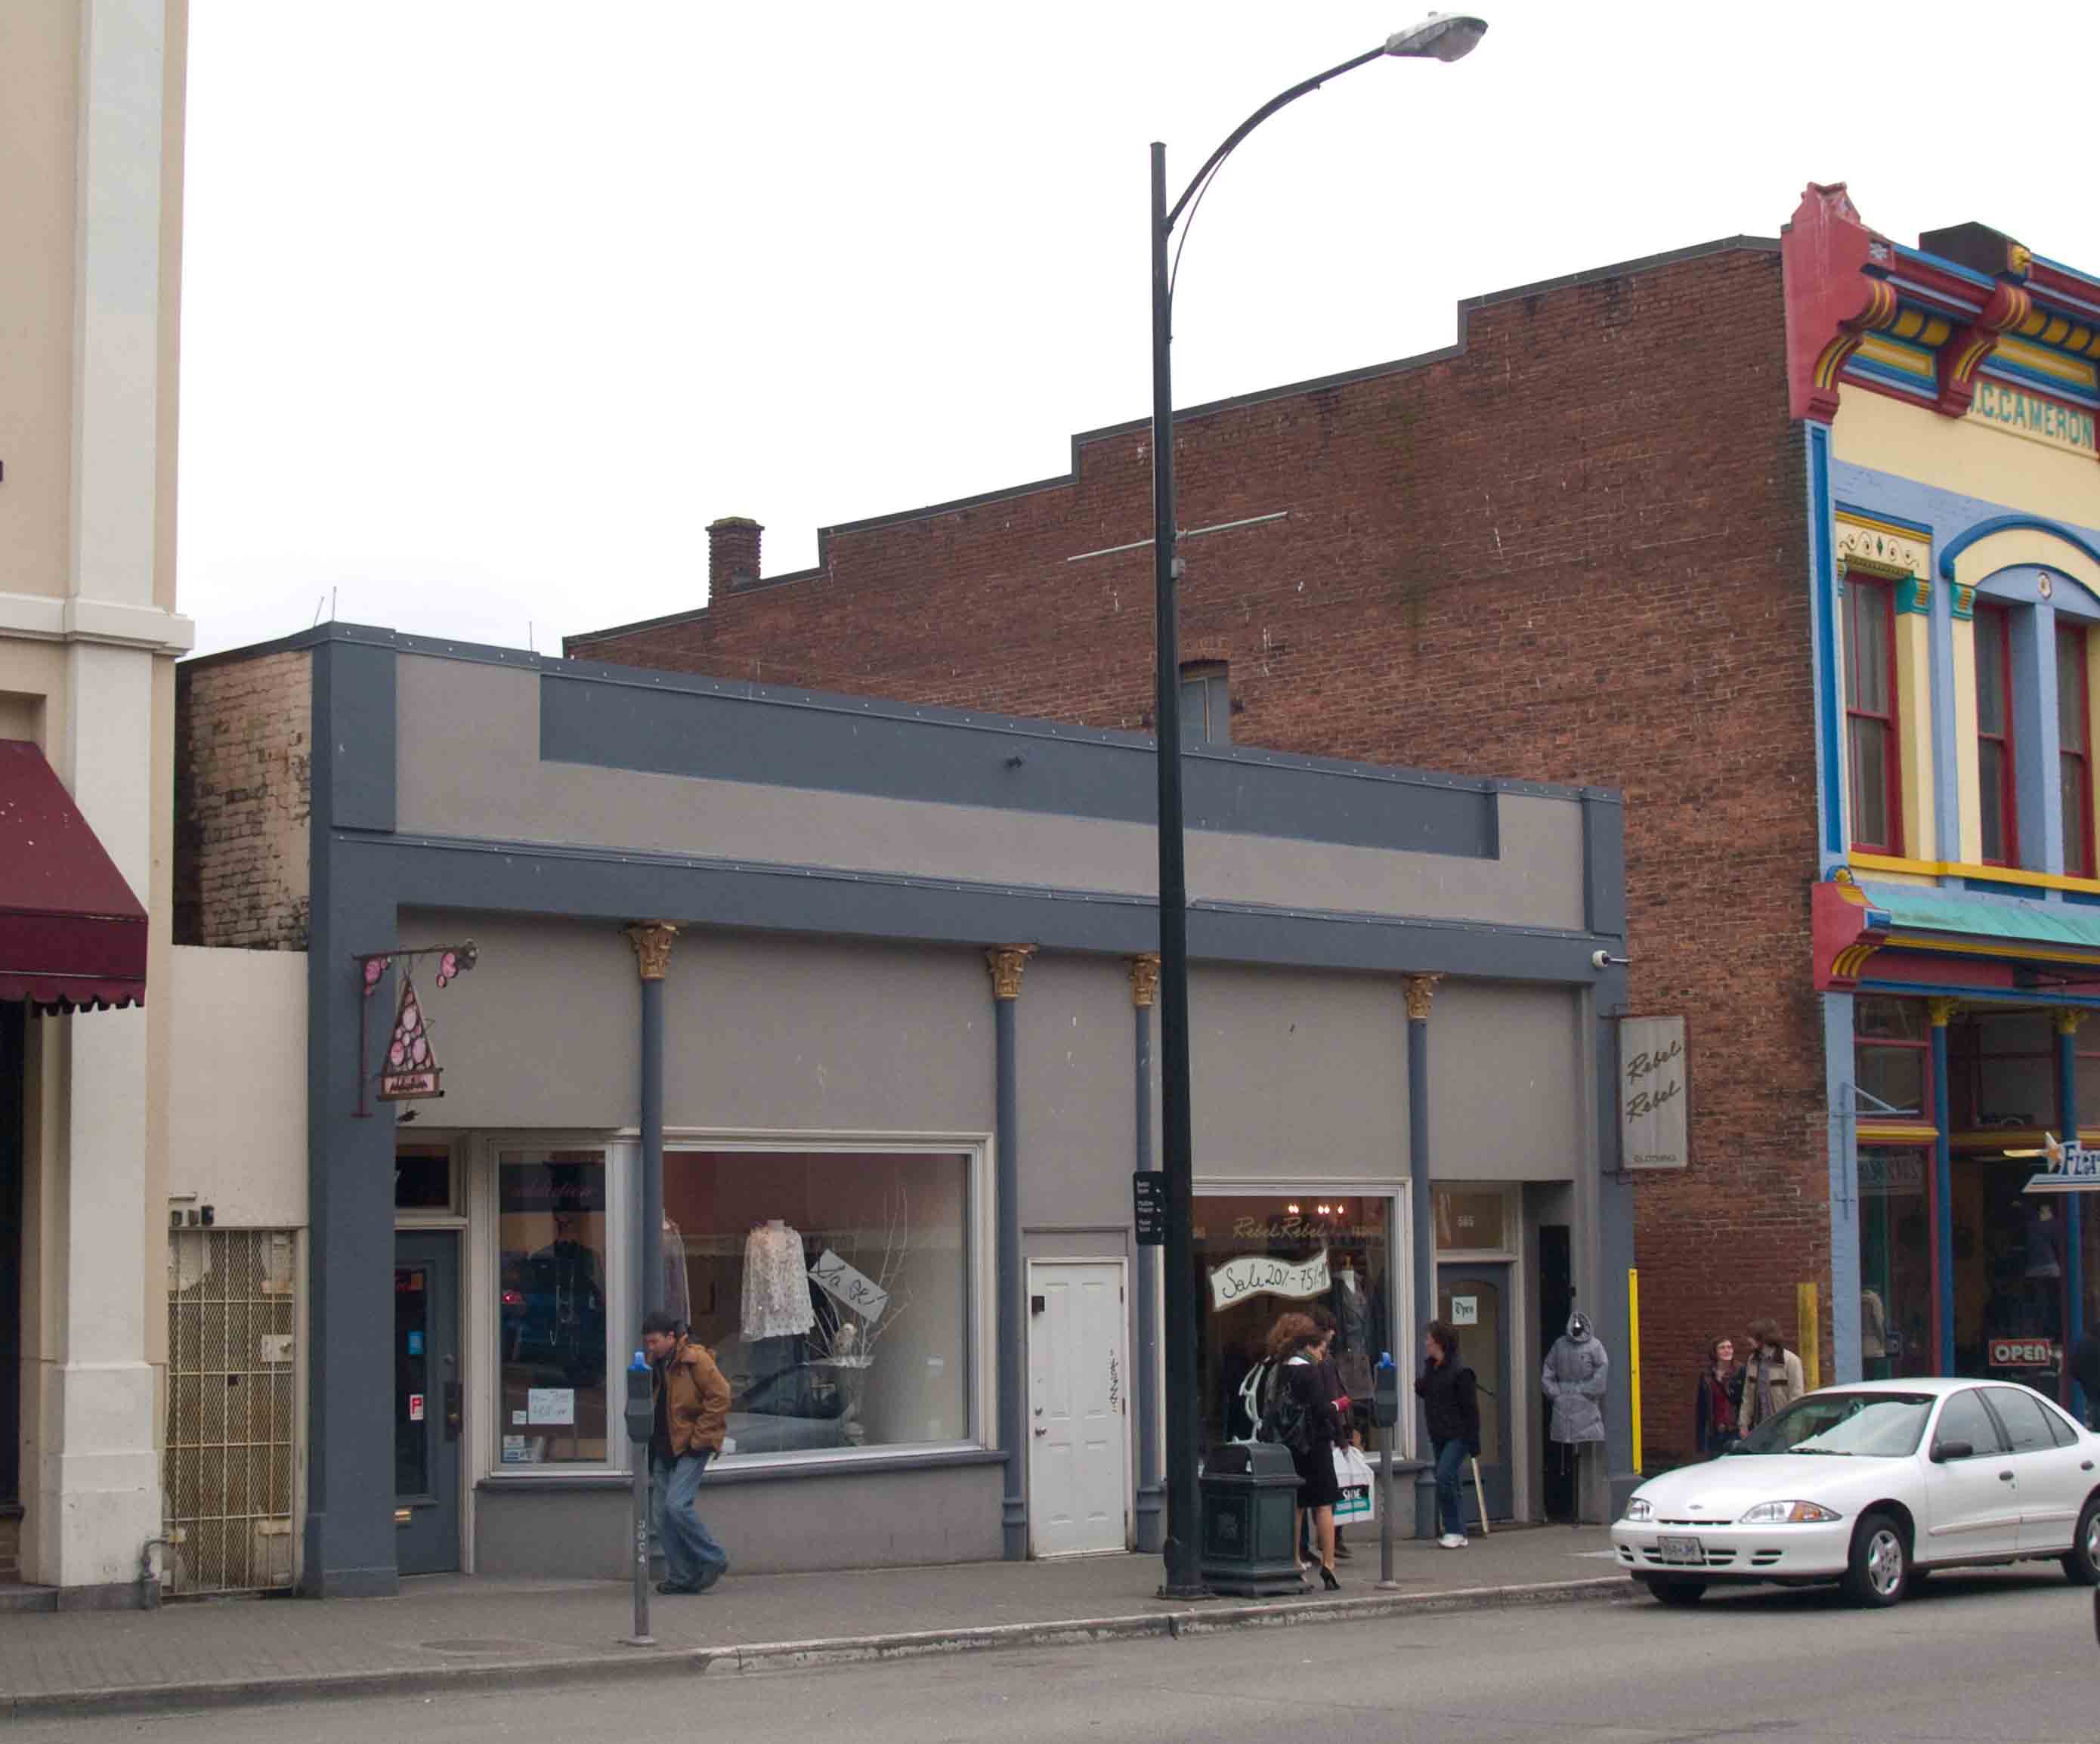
692	1411
1719	1400
1451	1411
1772	1379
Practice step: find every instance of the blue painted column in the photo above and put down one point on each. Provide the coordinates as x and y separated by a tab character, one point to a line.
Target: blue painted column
2074	1266
1942	1012
1011	1283
1149	1515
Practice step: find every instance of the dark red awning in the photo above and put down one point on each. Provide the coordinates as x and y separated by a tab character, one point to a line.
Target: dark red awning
73	936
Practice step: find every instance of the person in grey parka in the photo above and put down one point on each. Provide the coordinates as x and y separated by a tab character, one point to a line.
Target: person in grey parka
1574	1378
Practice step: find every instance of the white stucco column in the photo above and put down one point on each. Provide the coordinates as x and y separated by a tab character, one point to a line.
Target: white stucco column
97	1472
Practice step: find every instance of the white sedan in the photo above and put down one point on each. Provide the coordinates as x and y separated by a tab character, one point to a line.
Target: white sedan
1870	1485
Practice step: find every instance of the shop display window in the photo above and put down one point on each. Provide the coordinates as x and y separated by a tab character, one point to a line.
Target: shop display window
1895	1262
1260	1257
551	1325
1891	1055
833	1287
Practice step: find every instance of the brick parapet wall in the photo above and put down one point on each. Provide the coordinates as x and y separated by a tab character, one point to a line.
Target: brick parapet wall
1575	552
243	794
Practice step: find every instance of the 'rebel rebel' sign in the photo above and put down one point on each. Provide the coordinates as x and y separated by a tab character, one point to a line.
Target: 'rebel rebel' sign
1655	1118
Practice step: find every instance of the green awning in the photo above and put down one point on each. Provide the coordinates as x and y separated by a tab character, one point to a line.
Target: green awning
1918	910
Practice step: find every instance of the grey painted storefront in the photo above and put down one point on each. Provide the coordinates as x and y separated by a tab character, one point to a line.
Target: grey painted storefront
839	867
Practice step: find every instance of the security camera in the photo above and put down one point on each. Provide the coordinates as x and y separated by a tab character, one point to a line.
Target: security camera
1605	960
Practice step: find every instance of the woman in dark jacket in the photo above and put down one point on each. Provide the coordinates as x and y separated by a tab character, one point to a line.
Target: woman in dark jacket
1451	1412
1720	1398
1296	1346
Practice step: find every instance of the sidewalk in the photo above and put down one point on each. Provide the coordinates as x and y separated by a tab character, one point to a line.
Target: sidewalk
446	1632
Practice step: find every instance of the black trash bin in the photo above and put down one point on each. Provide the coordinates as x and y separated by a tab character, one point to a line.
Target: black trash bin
1250	1501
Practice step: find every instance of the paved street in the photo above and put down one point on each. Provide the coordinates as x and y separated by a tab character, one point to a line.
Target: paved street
2000	1657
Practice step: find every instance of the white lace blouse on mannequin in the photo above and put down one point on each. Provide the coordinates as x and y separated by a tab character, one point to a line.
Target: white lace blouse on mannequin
776	1289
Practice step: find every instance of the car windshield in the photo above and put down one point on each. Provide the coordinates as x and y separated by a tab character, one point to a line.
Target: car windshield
1865	1425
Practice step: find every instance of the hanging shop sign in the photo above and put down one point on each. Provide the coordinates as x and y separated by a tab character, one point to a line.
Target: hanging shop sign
409	1070
1257	1274
1654	1119
2070	1169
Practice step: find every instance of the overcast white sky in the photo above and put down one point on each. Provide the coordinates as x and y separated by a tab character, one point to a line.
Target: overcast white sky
488	309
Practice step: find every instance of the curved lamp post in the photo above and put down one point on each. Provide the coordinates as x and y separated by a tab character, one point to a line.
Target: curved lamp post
1436	38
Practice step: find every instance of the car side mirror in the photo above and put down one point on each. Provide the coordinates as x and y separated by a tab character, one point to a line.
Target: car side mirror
1943	1451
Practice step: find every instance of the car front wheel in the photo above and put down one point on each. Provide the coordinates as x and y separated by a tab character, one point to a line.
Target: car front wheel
1880	1565
1677	1592
2083	1563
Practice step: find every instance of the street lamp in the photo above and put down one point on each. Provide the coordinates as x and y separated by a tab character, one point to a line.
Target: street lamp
1436	38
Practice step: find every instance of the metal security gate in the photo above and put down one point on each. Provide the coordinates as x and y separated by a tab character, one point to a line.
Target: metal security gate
227	1466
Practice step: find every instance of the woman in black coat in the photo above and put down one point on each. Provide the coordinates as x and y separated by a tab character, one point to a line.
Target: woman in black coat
1451	1412
1309	1426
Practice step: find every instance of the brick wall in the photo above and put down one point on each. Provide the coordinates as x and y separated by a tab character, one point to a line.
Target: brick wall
1576	552
242	791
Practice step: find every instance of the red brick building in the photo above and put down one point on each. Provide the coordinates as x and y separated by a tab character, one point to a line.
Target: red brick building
1570	548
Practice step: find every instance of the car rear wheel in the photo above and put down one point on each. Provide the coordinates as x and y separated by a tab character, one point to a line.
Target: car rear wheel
1880	1565
1677	1591
2083	1563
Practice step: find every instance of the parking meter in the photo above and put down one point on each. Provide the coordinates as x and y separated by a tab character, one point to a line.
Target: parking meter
640	1400
1385	1394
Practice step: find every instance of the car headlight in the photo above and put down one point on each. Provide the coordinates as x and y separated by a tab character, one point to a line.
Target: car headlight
1639	1509
1786	1513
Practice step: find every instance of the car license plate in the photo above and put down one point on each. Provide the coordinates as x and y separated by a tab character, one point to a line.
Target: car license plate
1682	1550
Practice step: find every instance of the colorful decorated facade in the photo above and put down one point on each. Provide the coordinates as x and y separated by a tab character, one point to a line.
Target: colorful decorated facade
1947	394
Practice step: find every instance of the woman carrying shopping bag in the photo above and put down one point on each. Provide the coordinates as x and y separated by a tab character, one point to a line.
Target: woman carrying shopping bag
1303	1420
1451	1409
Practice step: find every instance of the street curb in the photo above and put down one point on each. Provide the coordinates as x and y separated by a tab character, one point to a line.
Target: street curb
632	1663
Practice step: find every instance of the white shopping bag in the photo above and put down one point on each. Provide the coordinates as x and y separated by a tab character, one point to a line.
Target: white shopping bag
1352	1472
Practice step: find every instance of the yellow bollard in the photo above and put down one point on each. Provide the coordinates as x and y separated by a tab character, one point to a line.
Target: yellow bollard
1633	1354
1808	1329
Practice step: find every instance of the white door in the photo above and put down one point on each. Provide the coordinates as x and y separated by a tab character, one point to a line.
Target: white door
1972	1506
2051	1484
1079	1388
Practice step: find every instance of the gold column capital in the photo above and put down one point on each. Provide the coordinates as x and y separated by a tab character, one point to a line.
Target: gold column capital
1420	989
1006	963
2068	1020
1941	1011
651	940
1144	980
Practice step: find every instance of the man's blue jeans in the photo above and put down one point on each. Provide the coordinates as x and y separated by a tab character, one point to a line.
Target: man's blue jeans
1450	1504
692	1557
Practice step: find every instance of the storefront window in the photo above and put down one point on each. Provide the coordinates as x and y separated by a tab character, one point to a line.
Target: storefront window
551	1233
2009	1272
1896	1263
1260	1257
834	1289
1892	1054
1471	1220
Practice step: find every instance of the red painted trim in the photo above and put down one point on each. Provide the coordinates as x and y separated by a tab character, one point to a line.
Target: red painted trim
1857	589
1834	295
2075	634
1968	346
2008	787
1841	943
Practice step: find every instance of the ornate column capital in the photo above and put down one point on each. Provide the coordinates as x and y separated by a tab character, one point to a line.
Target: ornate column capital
1420	989
651	940
1144	980
1941	1011
1006	963
2068	1020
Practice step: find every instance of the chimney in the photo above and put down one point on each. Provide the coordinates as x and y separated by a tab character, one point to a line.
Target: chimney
1978	247
732	553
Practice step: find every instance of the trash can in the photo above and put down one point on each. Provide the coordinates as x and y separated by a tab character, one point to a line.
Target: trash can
1250	1501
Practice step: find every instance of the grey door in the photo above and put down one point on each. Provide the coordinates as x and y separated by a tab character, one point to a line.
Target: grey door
427	1401
1475	1299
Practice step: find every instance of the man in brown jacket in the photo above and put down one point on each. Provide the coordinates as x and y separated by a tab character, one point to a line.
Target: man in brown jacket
692	1410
